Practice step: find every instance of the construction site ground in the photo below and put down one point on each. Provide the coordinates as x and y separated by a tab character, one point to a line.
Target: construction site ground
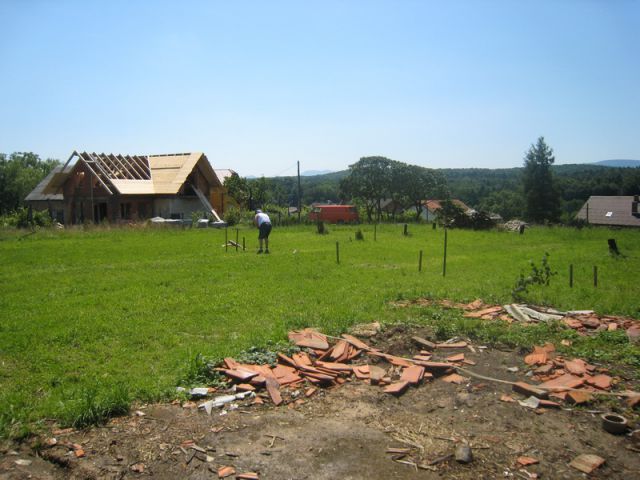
347	432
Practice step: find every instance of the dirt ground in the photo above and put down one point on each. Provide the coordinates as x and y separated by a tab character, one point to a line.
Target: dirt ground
344	432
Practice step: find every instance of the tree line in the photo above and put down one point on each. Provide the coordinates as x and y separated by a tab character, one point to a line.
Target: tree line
538	191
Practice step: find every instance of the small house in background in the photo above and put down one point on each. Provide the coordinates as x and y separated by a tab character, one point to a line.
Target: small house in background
430	208
220	198
621	211
118	188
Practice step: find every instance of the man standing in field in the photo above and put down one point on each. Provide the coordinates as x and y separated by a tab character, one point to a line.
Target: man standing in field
263	222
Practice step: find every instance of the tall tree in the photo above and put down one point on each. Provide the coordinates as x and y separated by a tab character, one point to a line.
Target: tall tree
368	183
542	199
415	184
238	188
19	174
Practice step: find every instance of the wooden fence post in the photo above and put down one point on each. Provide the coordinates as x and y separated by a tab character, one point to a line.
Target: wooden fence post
444	262
571	275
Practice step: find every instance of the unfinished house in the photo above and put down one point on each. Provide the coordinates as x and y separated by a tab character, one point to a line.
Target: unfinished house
121	188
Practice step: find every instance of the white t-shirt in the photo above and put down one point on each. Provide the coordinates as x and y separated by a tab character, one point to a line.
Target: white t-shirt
261	218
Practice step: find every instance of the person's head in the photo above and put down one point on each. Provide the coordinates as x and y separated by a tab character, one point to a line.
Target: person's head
258	211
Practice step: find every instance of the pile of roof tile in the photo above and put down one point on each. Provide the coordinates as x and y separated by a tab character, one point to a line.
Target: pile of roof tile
583	321
571	380
323	364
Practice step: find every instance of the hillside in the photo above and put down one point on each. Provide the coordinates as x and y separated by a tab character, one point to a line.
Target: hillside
619	163
497	190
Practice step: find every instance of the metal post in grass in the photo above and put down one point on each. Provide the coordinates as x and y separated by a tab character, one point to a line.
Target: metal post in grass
237	243
571	275
243	245
444	261
375	232
406	230
420	262
226	240
595	276
338	253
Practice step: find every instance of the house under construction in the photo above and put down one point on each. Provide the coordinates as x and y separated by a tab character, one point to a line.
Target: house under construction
97	187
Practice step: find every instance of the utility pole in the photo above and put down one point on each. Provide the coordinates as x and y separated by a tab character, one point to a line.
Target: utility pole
299	195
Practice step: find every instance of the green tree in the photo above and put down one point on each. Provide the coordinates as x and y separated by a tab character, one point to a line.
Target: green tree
19	174
413	185
507	203
238	188
542	199
368	183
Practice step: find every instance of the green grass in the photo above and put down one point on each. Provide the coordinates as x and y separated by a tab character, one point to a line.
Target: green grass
91	320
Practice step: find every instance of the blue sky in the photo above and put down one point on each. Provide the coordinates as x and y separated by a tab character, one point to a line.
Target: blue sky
260	85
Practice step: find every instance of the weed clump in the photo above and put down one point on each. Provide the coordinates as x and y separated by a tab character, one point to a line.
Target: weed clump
539	275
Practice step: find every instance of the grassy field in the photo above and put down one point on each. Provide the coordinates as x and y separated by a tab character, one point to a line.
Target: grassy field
92	320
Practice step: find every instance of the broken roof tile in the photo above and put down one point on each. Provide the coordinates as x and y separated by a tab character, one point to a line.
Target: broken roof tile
361	371
575	366
578	397
454	378
309	338
459	357
587	463
240	374
412	374
339	349
563	382
226	471
355	342
338	367
397	388
274	391
601	381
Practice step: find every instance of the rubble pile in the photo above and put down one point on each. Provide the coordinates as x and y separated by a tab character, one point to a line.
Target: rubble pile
571	380
585	322
323	365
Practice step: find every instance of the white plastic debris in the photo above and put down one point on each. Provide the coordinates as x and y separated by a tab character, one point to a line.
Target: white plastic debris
199	392
531	402
222	400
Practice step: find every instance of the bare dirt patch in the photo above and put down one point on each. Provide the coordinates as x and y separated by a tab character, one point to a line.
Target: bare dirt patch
346	432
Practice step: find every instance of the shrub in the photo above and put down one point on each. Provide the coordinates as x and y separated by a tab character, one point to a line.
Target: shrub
539	276
233	216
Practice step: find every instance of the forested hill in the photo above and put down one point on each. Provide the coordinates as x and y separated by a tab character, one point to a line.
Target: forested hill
497	190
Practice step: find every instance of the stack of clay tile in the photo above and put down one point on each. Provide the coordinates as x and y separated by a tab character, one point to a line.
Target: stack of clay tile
571	380
323	364
583	321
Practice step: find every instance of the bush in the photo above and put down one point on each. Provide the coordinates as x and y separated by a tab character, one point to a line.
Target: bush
539	276
233	216
20	219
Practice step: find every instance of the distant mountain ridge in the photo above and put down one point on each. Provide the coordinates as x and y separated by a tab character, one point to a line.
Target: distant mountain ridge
312	173
618	163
